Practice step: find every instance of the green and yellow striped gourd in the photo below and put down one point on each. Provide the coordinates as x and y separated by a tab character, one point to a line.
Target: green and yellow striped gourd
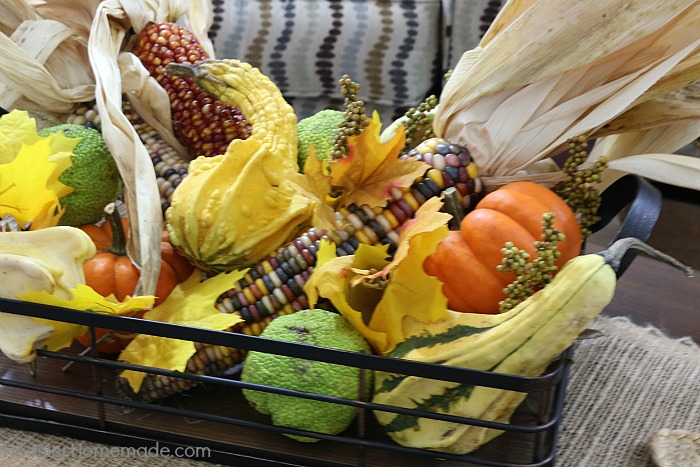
522	342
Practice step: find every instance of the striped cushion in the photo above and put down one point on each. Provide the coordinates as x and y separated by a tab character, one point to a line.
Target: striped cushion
390	47
398	50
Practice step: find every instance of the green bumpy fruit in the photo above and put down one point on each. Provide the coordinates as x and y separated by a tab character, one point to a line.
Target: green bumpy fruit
318	130
315	327
94	176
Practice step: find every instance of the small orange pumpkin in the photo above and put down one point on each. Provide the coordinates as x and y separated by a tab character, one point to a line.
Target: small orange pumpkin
466	261
111	271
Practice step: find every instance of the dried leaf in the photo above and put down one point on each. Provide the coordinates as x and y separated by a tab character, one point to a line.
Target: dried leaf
105	43
330	280
406	290
29	184
315	184
86	299
44	64
16	128
659	141
372	168
191	303
681	105
673	169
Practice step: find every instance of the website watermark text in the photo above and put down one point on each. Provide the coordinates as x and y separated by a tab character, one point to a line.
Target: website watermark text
79	450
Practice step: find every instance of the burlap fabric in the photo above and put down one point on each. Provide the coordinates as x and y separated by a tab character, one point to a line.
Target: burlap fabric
625	385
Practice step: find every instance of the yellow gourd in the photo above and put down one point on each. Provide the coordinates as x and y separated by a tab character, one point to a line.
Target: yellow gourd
234	208
522	342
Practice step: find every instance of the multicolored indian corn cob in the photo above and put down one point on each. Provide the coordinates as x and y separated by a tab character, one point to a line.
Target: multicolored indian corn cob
202	123
169	167
275	285
85	114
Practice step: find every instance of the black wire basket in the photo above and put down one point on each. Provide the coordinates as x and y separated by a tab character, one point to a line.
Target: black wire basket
75	394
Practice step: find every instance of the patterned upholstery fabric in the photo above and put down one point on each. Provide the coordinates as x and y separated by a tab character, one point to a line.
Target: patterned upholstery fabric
467	22
398	50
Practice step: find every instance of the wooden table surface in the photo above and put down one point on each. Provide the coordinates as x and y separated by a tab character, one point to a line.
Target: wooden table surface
652	292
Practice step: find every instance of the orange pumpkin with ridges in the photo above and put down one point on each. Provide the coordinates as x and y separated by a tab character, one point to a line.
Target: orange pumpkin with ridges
111	271
467	260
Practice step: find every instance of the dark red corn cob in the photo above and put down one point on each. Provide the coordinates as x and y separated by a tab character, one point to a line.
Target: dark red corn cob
201	122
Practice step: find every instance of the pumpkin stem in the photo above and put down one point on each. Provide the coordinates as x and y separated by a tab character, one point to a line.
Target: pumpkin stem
118	246
453	207
614	253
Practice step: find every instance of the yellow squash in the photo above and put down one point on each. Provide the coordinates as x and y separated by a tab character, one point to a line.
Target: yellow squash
522	341
234	208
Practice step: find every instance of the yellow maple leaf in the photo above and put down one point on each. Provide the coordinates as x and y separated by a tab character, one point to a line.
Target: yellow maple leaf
191	303
30	167
372	168
86	299
16	128
374	293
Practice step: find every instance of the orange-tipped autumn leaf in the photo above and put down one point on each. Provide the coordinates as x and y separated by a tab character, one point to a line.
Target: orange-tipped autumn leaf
191	303
372	168
375	294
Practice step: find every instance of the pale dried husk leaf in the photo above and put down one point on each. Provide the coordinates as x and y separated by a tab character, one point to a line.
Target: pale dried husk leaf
678	106
76	51
548	70
647	153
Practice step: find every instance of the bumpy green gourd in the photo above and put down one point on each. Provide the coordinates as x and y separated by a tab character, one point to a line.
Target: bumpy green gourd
93	175
318	130
314	327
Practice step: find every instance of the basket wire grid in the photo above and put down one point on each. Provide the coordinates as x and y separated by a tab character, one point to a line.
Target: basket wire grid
529	440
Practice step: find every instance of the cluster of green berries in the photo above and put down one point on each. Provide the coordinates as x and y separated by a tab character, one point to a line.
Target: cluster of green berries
577	189
419	123
355	118
531	275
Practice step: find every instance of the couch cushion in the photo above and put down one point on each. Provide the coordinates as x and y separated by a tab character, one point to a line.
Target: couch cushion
465	22
390	47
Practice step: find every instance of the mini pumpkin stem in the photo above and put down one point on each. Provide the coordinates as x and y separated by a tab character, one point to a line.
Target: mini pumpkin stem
614	253
453	207
118	246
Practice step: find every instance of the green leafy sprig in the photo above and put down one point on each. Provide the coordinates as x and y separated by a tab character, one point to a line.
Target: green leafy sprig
419	123
578	189
531	275
355	117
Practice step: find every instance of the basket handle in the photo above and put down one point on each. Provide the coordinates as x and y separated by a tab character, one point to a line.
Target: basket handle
644	201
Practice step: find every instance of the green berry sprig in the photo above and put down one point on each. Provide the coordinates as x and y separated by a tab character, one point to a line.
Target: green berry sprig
355	118
531	275
419	123
578	188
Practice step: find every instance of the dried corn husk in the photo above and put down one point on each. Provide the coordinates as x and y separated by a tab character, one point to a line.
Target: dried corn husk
55	54
549	70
